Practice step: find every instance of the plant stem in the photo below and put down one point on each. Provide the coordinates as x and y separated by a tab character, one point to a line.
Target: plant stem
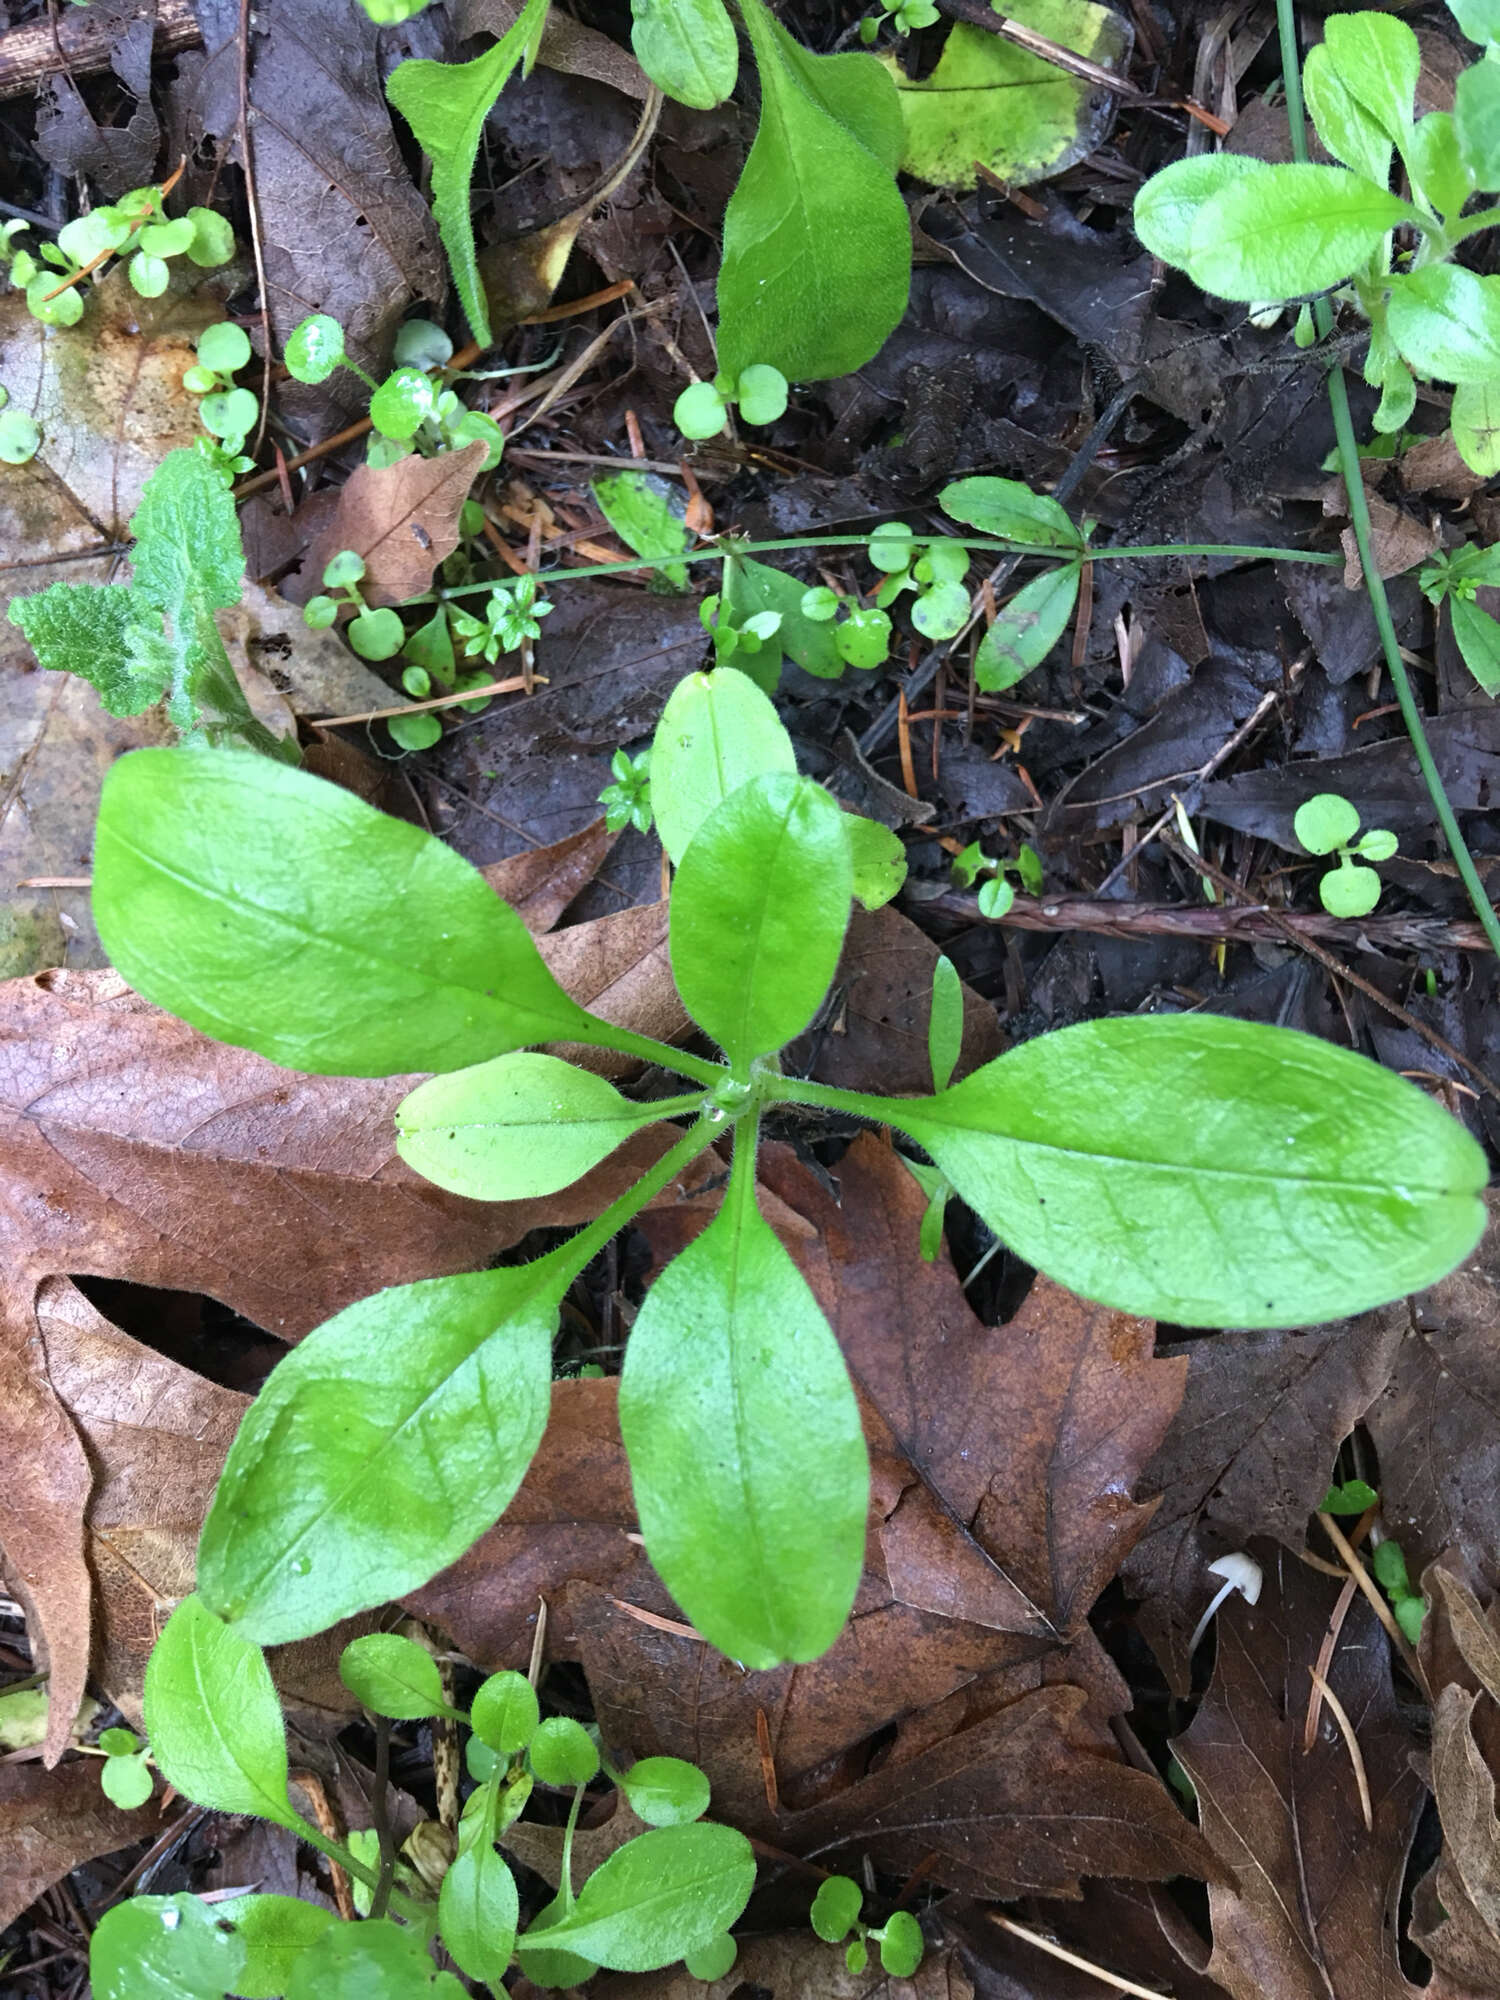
403	1905
580	1250
825	1097
380	1806
1359	519
662	1054
1246	552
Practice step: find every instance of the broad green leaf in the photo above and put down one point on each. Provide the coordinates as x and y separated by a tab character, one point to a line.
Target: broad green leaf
717	731
505	1712
515	1128
374	1960
758	913
1207	1171
1475	418
817	243
164	1948
1377	60
751	587
187	539
381	1448
1027	629
1478	19
552	1968
759	1535
107	634
280	913
274	1930
1344	125
1168	205
1437	164
989	103
1446	322
1476	117
878	859
392	1676
1010	512
478	1907
665	1791
945	1022
1324	822
646	513
688	49
660	1895
213	1717
1289	230
1477	636
446	105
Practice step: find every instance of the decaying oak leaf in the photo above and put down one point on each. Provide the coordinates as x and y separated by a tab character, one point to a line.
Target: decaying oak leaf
402	518
1249	1453
1313	1914
51	1821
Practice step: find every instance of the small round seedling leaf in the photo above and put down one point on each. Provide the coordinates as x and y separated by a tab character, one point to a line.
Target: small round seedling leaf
392	1676
125	1781
505	1712
762	394
892	547
150	276
119	1742
714	1959
941	610
347	567
315	348
229	412
666	1791
836	1908
563	1753
1325	822
996	897
378	635
420	344
1349	890
1379	844
415	732
1389	1565
164	1945
901	1945
1353	1497
320	612
857	1957
402	404
700	411
224	347
20	437
213	239
863	639
820	604
166	239
1410	1613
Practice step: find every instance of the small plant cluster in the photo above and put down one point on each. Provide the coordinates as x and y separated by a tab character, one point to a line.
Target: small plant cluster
136	228
1245	230
904	16
228	413
1455	577
996	892
1388	1561
702	410
217	1735
410	410
835	1913
1328	823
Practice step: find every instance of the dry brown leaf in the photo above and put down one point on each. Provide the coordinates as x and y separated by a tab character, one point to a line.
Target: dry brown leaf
402	518
540	883
618	966
794	1965
1465	1790
567	45
1444	1923
51	1822
1313	1916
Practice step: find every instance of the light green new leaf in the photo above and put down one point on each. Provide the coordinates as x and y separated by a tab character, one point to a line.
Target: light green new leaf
1346	128
505	1713
274	1930
1286	231
1377	59
515	1128
478	1907
213	1717
446	105
878	859
1168	205
945	1022
1027	629
1478	19
392	1676
164	1948
817	243
1437	164
381	1448
1446	322
660	1895
1476	116
106	634
280	913
1477	636
758	914
665	1791
187	537
646	513
687	48
717	732
1147	1163
744	1441
1475	418
751	587
1010	511
374	1960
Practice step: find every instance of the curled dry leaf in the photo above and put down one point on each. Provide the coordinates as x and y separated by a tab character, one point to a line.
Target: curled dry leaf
402	518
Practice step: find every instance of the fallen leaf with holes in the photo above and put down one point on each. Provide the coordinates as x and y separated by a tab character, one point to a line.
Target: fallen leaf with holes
796	1965
51	1821
1313	1914
1250	1452
402	518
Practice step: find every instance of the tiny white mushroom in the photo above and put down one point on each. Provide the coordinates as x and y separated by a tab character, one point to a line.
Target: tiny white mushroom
1240	1572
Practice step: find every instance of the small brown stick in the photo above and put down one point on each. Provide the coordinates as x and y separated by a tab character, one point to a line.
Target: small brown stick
1341	1717
767	1761
81	43
311	1785
1371	1591
512	686
252	198
1325	1651
1079	1964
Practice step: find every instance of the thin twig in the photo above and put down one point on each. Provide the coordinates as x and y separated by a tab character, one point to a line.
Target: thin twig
252	198
510	686
1376	1601
1341	1717
1099	1972
380	1807
1330	1639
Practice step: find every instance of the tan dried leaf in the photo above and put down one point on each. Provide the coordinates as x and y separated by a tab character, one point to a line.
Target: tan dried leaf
402	518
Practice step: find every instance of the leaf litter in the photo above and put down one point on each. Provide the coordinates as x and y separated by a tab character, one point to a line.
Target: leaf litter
1013	1716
